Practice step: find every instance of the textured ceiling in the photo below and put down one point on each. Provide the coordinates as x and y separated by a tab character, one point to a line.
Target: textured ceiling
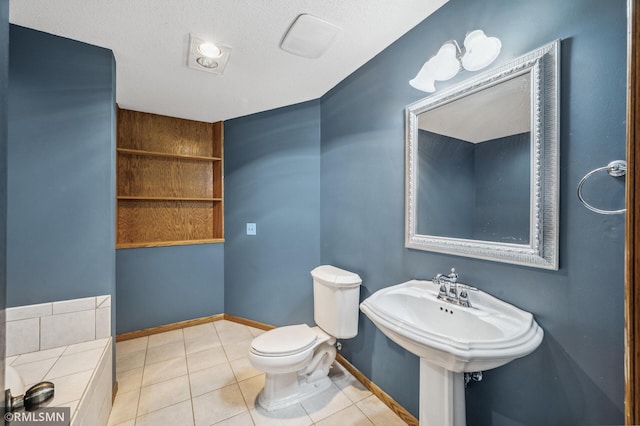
149	39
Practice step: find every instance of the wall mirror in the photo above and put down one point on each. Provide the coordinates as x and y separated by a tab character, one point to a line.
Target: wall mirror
482	164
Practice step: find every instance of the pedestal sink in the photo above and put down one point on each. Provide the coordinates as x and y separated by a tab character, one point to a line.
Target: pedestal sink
450	340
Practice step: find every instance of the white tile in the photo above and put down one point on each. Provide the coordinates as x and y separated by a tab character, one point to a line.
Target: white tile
250	389
326	403
129	380
166	337
200	330
67	329
28	311
349	385
85	346
133	345
237	349
210	379
74	363
10	359
127	423
164	370
163	394
164	352
129	361
34	372
378	412
74	305
243	369
351	416
205	359
178	414
201	343
234	334
103	301
218	405
70	388
103	323
243	419
38	356
290	416
22	336
124	408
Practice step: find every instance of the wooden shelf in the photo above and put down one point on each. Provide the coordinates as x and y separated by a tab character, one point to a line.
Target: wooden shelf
169	181
126	197
166	155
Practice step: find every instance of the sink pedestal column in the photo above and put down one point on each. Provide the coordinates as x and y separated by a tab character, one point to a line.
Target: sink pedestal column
441	396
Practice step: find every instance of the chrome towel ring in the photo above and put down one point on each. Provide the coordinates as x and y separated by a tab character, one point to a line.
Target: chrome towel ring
615	168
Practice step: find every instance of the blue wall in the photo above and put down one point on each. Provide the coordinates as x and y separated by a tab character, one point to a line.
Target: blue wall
163	285
272	178
61	177
576	376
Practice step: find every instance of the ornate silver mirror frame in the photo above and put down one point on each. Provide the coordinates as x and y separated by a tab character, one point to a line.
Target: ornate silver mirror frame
541	249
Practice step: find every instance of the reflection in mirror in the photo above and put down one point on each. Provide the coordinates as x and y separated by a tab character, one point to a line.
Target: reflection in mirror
482	165
474	157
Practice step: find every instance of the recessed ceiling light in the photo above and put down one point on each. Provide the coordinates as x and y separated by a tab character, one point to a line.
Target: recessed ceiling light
209	50
206	62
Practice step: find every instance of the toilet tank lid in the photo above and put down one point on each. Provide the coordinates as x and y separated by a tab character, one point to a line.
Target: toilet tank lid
330	275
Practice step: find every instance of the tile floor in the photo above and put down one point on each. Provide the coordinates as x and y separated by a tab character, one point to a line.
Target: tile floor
201	376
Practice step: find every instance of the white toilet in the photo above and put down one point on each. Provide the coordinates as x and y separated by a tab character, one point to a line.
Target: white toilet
296	358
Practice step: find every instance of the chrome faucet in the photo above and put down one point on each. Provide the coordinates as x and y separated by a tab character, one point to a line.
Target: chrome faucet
451	290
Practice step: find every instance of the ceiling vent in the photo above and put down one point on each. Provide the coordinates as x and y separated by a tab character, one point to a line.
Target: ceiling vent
309	36
206	56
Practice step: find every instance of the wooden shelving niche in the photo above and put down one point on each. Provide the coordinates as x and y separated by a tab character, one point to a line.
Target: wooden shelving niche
170	181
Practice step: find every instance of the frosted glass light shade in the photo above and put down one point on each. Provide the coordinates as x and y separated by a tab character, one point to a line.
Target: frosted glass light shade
480	50
424	80
445	64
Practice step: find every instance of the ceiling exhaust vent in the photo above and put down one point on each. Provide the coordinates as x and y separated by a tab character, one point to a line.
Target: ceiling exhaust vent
309	36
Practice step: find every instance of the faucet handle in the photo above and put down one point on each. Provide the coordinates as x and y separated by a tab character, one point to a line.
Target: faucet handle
453	276
467	287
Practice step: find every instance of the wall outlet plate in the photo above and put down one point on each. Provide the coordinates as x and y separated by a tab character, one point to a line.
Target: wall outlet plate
251	229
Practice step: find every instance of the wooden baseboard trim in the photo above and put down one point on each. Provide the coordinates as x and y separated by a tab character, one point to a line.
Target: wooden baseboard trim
400	411
114	392
168	327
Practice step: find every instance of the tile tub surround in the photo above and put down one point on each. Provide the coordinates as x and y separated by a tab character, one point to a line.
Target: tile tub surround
34	328
81	374
200	375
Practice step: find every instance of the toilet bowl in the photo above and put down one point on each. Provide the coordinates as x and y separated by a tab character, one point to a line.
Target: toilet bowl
296	359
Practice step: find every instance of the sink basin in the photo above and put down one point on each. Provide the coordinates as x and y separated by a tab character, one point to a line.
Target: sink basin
450	340
487	335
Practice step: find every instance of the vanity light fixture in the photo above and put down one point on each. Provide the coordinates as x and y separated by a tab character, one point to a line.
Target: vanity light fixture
207	56
478	52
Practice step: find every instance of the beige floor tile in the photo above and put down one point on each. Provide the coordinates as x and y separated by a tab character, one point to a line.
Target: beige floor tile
163	394
164	370
196	331
127	423
250	389
167	337
255	331
232	335
226	325
165	352
237	349
326	403
218	405
243	369
243	419
124	407
133	345
206	359
378	412
351	416
179	414
290	416
201	343
210	379
130	360
129	380
349	385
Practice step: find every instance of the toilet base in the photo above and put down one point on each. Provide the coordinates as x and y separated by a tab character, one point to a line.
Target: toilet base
277	393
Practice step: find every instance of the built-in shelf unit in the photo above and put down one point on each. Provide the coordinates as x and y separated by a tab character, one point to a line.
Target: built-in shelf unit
169	181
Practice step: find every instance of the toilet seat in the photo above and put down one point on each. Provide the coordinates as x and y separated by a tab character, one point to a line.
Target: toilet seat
284	341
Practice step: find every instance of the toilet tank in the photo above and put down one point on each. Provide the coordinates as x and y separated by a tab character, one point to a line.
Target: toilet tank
336	295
